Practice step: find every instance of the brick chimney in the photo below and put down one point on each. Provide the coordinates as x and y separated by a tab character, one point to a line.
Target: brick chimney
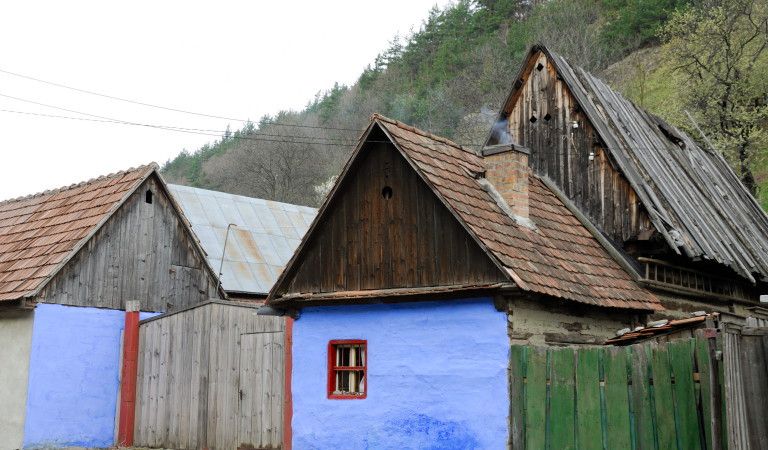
507	171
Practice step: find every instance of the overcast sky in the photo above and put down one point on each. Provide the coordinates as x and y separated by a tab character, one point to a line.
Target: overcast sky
226	58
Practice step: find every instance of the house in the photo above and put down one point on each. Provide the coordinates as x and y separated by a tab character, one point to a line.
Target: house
261	239
675	212
421	268
72	261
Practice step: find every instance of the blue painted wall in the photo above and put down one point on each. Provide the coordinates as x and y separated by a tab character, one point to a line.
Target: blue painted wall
437	377
73	376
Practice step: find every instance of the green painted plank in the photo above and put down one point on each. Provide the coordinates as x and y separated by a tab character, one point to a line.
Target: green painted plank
644	428
588	424
665	408
562	400
705	391
681	362
616	399
516	392
535	399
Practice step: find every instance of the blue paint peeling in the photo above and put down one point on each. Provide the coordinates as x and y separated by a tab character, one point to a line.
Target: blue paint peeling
437	377
73	376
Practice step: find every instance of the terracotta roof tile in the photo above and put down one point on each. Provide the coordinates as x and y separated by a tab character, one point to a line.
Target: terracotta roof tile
559	257
40	231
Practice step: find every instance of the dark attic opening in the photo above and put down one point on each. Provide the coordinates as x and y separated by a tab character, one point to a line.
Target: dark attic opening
148	196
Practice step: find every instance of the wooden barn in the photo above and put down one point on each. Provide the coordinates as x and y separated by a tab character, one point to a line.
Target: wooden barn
434	276
676	215
72	260
212	375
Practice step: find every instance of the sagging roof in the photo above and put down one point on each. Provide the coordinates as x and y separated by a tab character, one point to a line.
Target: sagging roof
41	232
691	194
265	236
558	258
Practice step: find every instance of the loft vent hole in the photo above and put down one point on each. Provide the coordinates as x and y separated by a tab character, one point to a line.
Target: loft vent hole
547	117
148	196
539	67
386	192
533	119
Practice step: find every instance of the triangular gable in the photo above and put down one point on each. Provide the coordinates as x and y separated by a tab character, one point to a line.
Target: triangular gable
383	228
558	258
685	190
41	233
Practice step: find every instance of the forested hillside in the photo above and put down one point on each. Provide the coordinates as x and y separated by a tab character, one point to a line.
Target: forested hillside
706	57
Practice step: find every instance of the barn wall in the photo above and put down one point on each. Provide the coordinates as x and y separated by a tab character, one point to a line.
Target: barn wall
541	119
367	240
437	377
191	364
16	338
73	377
142	253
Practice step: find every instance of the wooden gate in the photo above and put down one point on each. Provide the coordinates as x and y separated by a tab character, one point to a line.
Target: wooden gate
261	386
210	377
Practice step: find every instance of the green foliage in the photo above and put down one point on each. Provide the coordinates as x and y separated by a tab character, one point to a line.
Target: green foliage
629	24
450	76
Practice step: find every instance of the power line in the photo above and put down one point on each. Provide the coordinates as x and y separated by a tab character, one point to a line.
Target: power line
287	139
126	122
167	108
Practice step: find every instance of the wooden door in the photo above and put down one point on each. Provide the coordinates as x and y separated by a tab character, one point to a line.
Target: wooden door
261	390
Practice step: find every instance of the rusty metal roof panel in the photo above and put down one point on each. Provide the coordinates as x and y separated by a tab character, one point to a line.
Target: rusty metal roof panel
264	239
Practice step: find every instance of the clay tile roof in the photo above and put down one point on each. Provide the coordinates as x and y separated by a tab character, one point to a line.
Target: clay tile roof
558	257
40	232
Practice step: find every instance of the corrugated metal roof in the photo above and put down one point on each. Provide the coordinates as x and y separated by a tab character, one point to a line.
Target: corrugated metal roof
266	235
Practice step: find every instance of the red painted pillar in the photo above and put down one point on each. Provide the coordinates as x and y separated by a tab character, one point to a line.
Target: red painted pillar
288	398
130	368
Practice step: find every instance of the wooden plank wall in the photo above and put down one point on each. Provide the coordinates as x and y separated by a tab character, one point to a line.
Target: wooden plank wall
189	383
745	355
142	253
645	396
542	120
369	241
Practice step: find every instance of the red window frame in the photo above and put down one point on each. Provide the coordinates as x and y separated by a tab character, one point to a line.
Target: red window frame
332	369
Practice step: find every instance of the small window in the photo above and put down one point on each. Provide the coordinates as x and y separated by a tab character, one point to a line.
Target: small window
148	197
347	369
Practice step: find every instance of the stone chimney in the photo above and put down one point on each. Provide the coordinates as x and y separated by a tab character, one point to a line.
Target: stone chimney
507	171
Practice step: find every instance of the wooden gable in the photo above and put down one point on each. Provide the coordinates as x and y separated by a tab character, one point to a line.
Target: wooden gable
383	228
545	117
143	252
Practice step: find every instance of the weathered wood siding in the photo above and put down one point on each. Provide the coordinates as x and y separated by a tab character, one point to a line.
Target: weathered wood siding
142	253
210	377
542	119
367	241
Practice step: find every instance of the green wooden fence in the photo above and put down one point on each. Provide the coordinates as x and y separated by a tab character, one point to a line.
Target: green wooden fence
644	396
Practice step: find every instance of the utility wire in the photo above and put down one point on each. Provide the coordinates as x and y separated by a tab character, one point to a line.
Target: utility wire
126	122
286	139
167	108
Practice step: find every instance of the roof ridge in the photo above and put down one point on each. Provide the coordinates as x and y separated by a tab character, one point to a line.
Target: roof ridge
412	129
145	167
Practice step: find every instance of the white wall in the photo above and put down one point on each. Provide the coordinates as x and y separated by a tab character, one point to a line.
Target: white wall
15	343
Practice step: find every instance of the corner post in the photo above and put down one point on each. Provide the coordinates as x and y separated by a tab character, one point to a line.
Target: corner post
129	373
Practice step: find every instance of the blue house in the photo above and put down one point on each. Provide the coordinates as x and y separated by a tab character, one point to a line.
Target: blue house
424	264
72	262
